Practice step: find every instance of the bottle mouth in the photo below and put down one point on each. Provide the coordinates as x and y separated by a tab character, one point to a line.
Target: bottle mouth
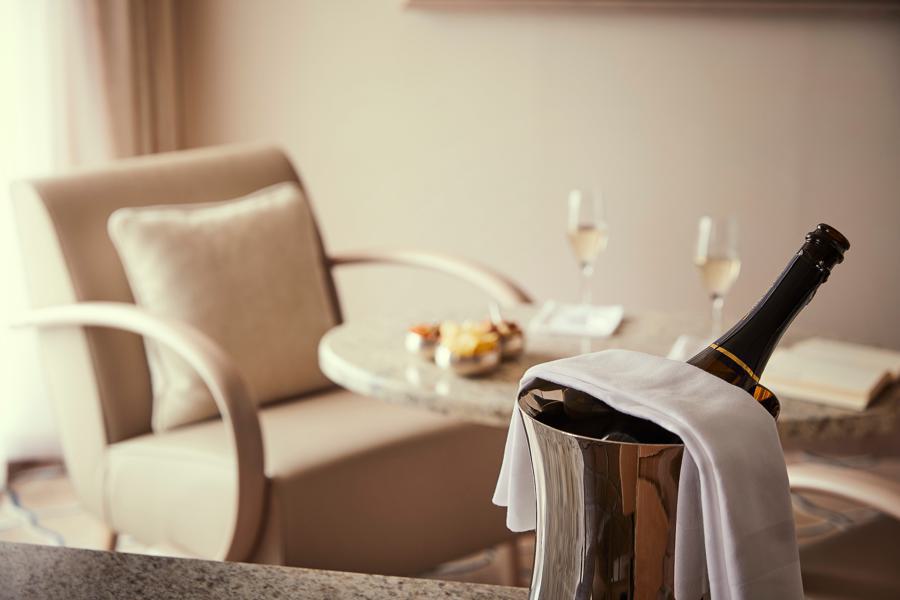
827	238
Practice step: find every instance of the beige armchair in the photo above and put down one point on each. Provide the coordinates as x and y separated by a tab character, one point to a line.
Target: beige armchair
331	480
861	561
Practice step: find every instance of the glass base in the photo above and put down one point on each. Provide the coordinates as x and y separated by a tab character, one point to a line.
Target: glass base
688	345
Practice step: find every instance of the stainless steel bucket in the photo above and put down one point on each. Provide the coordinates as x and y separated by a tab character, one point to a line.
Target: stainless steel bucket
605	516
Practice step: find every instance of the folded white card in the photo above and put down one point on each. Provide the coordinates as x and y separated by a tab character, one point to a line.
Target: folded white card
556	318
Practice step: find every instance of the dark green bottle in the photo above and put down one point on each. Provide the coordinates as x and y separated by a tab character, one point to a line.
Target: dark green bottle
740	355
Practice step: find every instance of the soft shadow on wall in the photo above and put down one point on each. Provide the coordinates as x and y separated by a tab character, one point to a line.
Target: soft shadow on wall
462	131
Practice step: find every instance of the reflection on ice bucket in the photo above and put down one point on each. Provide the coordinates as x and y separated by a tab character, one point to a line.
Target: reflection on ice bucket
605	516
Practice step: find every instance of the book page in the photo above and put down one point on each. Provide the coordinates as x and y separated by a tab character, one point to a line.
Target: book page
827	381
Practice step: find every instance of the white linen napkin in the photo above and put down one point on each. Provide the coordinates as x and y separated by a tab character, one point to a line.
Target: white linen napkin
581	320
735	524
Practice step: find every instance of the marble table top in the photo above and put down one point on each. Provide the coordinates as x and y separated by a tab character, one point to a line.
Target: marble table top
369	357
30	572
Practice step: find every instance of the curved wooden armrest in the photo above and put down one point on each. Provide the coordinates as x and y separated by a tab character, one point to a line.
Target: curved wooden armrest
226	385
500	288
872	490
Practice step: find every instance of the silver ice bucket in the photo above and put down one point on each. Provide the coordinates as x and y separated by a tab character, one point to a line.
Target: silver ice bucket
605	516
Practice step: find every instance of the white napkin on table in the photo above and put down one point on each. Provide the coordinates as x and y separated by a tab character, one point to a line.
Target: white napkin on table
580	320
734	508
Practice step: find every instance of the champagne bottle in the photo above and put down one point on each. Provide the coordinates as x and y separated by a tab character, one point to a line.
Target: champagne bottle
738	356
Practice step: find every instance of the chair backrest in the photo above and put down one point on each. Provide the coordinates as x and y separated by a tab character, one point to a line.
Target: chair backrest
99	378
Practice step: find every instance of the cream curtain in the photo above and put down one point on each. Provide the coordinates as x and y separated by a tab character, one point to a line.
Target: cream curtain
28	129
84	81
122	79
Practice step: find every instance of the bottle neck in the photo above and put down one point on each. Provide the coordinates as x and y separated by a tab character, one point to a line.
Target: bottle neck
751	341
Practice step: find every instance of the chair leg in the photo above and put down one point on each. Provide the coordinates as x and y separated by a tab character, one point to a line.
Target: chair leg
515	561
112	540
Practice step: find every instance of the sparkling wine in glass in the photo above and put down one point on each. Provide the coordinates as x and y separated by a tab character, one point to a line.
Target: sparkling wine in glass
718	261
588	234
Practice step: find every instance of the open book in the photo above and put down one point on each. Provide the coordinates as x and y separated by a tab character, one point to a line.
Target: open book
840	374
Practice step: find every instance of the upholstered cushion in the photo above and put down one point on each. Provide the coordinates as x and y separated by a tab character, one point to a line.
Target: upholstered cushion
247	272
856	563
354	484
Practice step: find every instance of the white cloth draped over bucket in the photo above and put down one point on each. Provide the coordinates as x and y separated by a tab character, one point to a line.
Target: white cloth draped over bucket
734	523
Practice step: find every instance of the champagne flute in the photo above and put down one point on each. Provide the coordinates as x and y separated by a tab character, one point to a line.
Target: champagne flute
718	261
588	234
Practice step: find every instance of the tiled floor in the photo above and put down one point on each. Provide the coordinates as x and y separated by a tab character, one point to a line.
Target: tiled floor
40	507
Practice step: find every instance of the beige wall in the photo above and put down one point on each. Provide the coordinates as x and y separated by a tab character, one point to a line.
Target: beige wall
461	131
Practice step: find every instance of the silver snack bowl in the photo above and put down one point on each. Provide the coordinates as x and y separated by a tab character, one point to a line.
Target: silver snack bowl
420	345
512	345
467	366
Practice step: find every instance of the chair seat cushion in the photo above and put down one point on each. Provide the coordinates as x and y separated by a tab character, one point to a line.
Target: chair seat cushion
860	563
354	484
247	272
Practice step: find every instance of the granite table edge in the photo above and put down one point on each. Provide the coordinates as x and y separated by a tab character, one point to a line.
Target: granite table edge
30	571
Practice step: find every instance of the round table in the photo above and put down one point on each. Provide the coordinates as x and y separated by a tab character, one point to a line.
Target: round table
369	357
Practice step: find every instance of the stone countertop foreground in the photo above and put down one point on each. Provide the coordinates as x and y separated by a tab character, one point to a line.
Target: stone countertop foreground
50	573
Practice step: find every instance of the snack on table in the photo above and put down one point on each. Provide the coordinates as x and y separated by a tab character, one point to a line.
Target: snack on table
468	338
468	349
428	331
503	328
512	339
423	338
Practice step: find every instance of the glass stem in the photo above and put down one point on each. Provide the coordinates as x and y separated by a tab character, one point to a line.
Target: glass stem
586	271
717	303
585	345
